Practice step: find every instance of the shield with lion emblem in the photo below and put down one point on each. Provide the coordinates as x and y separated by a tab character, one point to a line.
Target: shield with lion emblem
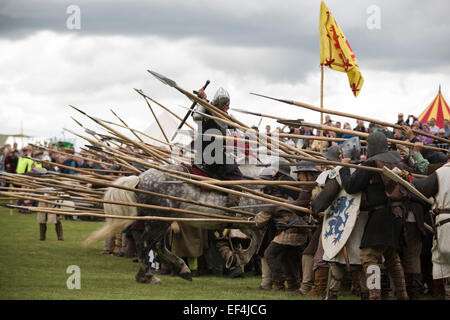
338	222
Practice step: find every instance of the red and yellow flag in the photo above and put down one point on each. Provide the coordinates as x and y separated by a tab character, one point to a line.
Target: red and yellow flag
335	51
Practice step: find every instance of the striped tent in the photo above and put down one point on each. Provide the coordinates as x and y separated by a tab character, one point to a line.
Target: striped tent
438	109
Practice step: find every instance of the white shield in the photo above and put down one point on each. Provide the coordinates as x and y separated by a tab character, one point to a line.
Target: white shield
338	222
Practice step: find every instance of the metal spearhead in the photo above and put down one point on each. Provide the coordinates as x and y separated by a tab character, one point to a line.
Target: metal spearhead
163	79
276	99
246	112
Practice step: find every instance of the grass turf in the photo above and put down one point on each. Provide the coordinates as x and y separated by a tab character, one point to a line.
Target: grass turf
33	269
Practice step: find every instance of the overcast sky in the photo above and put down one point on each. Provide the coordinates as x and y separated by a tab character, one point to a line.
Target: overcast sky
268	47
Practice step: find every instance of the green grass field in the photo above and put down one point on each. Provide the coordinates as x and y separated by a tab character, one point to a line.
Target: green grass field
33	269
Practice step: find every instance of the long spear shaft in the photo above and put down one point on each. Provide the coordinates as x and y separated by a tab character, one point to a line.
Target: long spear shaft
141	218
132	131
268	143
101	156
350	165
222	115
349	115
160	154
73	168
188	113
165	108
282	204
62	188
71	155
40	199
261	182
250	142
157	121
135	130
79	200
139	145
363	135
156	194
178	173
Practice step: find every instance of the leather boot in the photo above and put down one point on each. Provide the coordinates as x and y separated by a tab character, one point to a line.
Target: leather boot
59	231
414	286
374	294
356	290
332	295
307	274
292	284
438	289
398	278
278	286
320	282
42	231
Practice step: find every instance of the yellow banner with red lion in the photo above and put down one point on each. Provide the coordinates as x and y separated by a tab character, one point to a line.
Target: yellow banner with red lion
335	51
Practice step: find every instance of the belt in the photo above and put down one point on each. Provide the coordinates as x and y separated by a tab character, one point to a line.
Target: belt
443	210
379	207
440	223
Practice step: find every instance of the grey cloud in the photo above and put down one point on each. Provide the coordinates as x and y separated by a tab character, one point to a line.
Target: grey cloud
410	38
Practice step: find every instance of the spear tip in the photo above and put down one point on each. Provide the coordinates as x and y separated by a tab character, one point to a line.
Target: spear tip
163	79
276	99
77	109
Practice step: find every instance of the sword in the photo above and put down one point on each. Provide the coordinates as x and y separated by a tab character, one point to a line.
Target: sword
188	113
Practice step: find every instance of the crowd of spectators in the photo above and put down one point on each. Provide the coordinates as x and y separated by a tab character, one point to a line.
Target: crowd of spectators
360	126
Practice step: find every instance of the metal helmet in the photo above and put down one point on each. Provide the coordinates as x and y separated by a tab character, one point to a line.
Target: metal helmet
377	143
267	173
351	148
279	166
333	153
221	98
306	166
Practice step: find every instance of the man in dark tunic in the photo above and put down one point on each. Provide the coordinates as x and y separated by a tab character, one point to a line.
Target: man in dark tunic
383	230
219	166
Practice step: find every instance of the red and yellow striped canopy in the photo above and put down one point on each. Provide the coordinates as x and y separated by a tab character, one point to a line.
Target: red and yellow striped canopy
438	109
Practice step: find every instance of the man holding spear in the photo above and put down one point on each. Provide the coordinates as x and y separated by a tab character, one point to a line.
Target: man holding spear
383	230
210	153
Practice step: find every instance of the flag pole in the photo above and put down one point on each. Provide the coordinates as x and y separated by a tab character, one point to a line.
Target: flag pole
321	104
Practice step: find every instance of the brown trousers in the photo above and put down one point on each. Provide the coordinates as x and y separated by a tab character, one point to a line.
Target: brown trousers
373	256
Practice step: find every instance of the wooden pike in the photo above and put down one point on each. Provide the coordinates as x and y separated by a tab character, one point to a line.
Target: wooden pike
132	131
350	165
14	195
165	196
191	176
135	130
261	182
159	104
392	175
299	136
138	144
254	197
349	115
273	138
150	165
70	155
139	218
361	134
268	142
134	204
157	121
159	153
221	115
102	156
74	169
76	193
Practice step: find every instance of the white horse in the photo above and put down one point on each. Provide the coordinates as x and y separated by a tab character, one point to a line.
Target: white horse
155	231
